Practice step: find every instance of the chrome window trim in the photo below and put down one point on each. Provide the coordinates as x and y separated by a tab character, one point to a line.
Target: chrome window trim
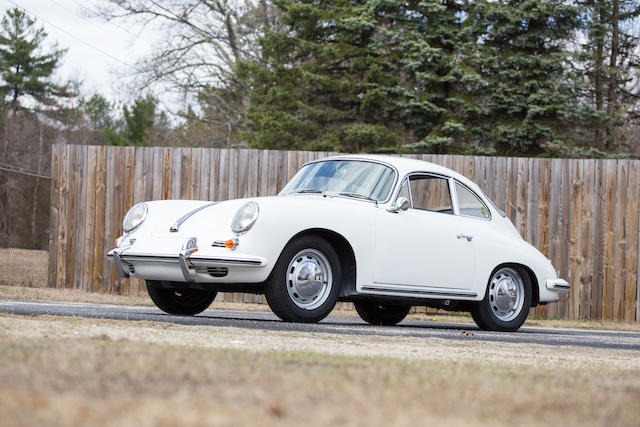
477	197
437	175
343	159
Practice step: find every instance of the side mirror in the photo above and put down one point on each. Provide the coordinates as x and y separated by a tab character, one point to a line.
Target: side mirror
402	204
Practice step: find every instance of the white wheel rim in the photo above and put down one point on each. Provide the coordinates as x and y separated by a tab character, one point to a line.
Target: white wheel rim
506	294
309	279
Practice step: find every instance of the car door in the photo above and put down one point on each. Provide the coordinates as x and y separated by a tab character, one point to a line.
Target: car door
427	245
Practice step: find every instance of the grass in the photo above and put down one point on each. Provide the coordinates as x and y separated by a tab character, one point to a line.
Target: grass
23	267
75	371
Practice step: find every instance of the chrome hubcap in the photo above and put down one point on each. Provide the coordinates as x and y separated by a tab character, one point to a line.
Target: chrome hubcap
506	294
309	279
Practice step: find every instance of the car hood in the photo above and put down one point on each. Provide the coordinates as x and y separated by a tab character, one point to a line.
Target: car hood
215	220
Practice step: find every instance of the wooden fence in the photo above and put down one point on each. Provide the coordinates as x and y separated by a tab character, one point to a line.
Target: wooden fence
582	214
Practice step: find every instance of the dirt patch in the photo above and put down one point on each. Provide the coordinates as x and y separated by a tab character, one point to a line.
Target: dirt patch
69	371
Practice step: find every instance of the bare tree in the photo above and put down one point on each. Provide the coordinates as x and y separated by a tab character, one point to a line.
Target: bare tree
205	41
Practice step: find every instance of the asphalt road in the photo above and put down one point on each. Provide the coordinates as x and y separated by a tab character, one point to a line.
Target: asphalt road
333	325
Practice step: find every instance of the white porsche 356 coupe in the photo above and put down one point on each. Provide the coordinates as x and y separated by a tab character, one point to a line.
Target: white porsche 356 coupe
384	232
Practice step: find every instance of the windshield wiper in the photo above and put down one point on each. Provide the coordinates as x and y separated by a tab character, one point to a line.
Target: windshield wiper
357	196
309	190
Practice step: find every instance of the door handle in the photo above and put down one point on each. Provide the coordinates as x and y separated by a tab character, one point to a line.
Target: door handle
465	236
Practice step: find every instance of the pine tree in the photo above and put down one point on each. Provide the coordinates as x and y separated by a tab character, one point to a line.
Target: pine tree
528	97
25	71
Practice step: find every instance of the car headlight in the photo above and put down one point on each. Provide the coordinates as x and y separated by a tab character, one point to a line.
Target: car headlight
245	217
135	217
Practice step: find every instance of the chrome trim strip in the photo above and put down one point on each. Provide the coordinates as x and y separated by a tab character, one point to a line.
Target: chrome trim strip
176	225
249	262
418	291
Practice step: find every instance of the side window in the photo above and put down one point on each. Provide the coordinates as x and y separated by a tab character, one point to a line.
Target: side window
469	204
430	193
404	191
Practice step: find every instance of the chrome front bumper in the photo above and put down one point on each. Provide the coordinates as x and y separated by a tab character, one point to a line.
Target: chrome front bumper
185	262
558	285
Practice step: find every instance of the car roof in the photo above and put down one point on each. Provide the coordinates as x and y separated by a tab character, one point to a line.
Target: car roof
406	165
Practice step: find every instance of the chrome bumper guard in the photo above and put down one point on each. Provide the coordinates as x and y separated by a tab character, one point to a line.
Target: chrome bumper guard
558	285
117	260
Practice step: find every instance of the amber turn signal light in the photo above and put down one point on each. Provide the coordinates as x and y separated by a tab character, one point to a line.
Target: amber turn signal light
230	244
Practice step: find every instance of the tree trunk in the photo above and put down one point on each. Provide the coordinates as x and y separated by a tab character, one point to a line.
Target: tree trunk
598	72
613	75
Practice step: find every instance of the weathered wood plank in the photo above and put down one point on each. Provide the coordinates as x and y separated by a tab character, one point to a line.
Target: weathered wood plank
87	281
522	174
622	187
176	173
108	237
608	282
633	229
598	241
586	234
81	218
98	235
223	175
575	240
56	165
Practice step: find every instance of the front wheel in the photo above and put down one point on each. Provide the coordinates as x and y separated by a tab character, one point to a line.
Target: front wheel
506	303
181	301
381	314
305	282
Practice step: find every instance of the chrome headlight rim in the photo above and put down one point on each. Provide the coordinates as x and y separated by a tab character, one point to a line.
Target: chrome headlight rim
240	225
130	228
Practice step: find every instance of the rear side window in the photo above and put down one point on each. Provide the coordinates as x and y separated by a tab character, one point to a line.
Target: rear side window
430	193
469	204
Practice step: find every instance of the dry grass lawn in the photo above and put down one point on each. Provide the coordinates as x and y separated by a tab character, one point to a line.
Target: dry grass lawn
23	267
74	371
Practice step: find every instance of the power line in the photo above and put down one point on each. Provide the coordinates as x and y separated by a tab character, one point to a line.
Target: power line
23	172
71	35
136	36
85	18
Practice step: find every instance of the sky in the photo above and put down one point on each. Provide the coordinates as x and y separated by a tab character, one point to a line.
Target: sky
99	52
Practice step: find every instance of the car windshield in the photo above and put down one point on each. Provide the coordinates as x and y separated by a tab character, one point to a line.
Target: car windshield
351	178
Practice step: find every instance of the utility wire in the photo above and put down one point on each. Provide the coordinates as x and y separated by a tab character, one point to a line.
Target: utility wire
94	12
84	18
22	172
71	35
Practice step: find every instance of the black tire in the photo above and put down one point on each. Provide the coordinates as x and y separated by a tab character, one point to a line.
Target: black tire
485	316
381	314
279	288
180	300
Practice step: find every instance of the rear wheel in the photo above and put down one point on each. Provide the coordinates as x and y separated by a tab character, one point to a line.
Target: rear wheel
506	303
305	282
180	300
381	314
